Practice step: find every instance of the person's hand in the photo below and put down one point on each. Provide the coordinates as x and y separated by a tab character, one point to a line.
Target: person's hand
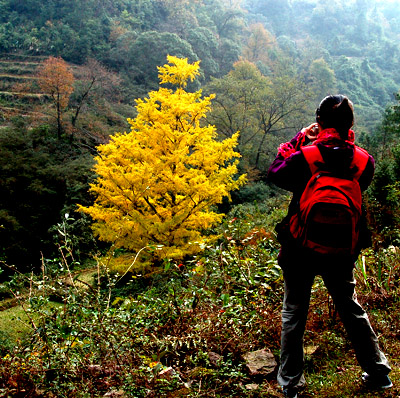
311	131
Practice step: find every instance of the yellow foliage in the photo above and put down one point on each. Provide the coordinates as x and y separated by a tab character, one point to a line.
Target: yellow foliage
258	44
123	262
157	183
178	72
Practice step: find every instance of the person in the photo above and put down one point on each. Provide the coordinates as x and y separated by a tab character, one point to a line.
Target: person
334	138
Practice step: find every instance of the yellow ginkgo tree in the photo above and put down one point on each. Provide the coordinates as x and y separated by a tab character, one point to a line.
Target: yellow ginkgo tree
156	185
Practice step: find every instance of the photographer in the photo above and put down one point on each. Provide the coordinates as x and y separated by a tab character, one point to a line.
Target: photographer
340	160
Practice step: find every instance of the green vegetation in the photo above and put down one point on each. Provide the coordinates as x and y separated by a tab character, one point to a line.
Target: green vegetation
183	331
14	326
356	41
42	177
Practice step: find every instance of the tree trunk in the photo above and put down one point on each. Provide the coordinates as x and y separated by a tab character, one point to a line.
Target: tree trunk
59	125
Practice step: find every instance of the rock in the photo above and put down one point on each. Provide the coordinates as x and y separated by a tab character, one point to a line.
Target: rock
115	394
214	358
251	386
167	373
311	349
260	363
95	370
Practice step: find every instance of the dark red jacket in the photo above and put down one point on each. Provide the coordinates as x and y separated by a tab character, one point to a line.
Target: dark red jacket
292	173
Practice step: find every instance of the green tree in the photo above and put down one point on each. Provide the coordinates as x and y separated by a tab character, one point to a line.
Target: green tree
205	44
263	109
157	183
140	56
278	13
384	193
180	16
387	134
322	78
228	53
41	177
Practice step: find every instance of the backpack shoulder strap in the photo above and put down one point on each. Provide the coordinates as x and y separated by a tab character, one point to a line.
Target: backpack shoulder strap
312	155
360	160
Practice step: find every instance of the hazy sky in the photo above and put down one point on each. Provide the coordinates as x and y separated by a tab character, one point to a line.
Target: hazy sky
376	1
388	1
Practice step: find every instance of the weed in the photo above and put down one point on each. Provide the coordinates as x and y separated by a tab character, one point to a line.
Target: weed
183	331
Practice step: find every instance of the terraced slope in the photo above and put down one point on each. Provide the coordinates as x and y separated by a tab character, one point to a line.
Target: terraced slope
20	94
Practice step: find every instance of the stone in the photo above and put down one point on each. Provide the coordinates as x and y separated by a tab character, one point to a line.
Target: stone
115	394
311	349
214	358
167	373
251	387
260	362
95	370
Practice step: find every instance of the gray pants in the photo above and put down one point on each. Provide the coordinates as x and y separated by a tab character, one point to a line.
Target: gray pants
299	273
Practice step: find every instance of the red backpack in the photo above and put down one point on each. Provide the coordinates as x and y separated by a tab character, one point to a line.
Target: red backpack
330	207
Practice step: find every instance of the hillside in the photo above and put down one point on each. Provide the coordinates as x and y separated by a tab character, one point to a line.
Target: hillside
19	92
21	95
358	41
44	173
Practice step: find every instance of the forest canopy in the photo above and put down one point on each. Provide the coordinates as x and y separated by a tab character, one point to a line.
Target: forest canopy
357	40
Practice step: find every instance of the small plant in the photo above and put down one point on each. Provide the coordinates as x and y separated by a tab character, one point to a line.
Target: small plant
379	270
152	334
182	331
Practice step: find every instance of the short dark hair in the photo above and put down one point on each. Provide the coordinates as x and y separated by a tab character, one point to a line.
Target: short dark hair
336	111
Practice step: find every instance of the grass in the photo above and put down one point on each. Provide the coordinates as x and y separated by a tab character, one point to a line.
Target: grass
331	369
14	324
19	57
12	95
347	383
17	68
121	337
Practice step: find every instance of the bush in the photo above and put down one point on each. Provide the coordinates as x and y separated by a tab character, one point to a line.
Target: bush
150	336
